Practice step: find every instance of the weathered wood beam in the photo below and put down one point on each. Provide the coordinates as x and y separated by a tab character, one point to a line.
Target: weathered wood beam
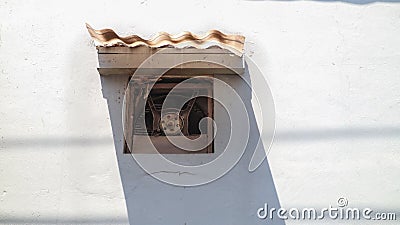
125	61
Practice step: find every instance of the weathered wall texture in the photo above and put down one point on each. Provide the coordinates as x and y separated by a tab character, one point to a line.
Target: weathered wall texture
333	67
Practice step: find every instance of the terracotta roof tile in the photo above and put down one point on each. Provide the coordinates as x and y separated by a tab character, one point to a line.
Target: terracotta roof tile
108	38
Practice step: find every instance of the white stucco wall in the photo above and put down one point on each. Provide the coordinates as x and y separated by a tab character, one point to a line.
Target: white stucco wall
333	68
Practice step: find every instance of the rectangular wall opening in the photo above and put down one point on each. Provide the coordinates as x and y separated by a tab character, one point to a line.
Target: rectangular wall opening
184	122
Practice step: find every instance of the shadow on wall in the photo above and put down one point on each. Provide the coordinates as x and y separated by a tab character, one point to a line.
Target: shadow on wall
282	136
358	2
232	199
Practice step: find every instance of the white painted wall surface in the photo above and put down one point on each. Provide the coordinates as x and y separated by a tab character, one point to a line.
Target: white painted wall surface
333	67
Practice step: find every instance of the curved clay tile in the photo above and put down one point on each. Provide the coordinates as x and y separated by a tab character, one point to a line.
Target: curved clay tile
107	38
